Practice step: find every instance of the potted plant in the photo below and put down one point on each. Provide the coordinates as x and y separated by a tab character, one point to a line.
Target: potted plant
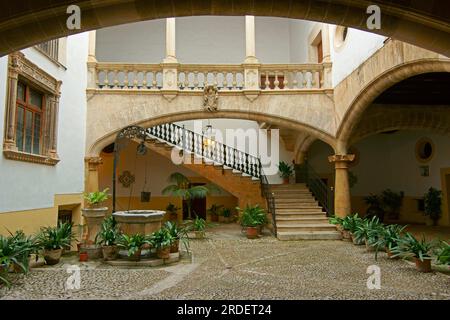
162	240
337	221
172	210
392	202
374	208
15	252
178	234
367	231
107	237
349	224
198	225
286	171
251	218
67	231
52	240
214	211
94	213
390	238
432	204
133	244
443	253
409	247
225	215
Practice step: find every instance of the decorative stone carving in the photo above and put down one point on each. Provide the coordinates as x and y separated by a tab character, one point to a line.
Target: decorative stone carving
93	162
127	179
210	98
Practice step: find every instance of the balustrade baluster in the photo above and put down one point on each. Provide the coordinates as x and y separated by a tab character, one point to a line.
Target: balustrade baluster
135	79
225	80
115	80
125	80
144	80
305	81
205	79
154	81
106	80
234	84
186	80
313	78
267	82
196	83
246	163
294	79
276	82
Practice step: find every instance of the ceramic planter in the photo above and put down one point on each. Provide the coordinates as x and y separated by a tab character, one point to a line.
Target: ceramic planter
94	218
174	248
52	257
109	252
423	266
252	232
163	253
93	251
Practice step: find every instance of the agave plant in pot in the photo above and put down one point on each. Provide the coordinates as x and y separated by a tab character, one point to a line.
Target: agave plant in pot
162	241
285	171
107	238
133	244
390	238
52	240
419	250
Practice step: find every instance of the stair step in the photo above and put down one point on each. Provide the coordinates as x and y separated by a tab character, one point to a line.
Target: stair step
305	227
302	220
300	212
295	216
297	186
299	206
309	235
295	200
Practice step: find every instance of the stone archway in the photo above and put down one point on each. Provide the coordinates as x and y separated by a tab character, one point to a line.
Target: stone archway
383	80
426	26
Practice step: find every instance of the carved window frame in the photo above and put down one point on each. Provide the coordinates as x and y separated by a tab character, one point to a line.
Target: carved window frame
21	68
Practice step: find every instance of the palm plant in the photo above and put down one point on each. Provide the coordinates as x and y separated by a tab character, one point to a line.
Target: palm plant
181	187
214	211
392	202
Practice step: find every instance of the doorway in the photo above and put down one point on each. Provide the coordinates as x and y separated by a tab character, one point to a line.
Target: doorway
198	205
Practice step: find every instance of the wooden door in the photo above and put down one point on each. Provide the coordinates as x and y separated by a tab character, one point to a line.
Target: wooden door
198	206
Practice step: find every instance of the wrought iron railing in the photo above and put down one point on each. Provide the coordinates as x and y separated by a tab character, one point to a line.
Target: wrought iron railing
205	147
323	193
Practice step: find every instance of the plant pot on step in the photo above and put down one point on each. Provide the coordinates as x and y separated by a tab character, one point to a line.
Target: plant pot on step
109	252
136	256
83	257
163	253
52	257
252	232
423	266
175	247
93	251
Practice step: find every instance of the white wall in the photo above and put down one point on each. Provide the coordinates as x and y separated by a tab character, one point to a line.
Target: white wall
206	39
389	161
359	46
31	186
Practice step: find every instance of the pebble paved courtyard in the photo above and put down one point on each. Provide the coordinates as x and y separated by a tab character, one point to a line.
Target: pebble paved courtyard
228	266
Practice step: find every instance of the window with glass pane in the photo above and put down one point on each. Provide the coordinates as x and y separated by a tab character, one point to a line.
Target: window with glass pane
30	105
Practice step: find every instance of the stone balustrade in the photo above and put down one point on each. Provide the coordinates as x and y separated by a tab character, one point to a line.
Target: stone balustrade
194	77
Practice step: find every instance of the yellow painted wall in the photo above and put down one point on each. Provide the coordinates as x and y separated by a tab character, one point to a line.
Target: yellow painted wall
30	221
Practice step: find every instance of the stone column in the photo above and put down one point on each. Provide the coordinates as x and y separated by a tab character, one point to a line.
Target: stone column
10	115
92	46
251	64
92	61
342	197
170	63
91	173
54	110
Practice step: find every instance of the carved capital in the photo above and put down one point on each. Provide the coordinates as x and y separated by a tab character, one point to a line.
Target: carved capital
341	161
93	162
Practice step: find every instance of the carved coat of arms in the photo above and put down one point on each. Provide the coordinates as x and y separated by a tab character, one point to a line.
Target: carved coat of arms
210	98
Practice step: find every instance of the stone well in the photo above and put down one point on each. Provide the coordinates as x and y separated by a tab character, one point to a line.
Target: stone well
139	221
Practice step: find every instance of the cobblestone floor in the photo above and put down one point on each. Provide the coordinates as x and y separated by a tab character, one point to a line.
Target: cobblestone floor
228	266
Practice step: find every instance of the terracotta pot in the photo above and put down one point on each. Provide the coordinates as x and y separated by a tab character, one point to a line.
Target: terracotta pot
423	266
339	228
52	256
390	254
199	234
252	232
285	180
78	247
163	253
93	251
175	247
83	257
136	256
346	235
109	252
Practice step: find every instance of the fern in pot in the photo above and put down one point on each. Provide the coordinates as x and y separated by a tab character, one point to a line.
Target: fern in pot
107	238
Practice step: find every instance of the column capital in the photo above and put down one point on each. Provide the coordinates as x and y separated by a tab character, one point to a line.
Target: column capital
93	162
341	160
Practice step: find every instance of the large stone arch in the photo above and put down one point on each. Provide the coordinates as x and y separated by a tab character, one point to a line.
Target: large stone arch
94	149
423	25
381	82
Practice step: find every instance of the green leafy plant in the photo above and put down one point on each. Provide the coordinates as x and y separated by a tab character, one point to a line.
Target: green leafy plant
161	238
109	232
24	246
351	222
215	209
132	243
368	230
391	236
226	212
178	233
285	169
409	247
335	220
252	216
52	238
443	253
392	202
14	251
96	198
433	202
198	224
66	229
181	187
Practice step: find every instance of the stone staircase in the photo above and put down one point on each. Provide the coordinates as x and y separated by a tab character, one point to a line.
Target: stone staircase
299	216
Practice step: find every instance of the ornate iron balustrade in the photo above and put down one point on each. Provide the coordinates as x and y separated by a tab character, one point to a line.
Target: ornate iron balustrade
266	192
323	193
207	148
